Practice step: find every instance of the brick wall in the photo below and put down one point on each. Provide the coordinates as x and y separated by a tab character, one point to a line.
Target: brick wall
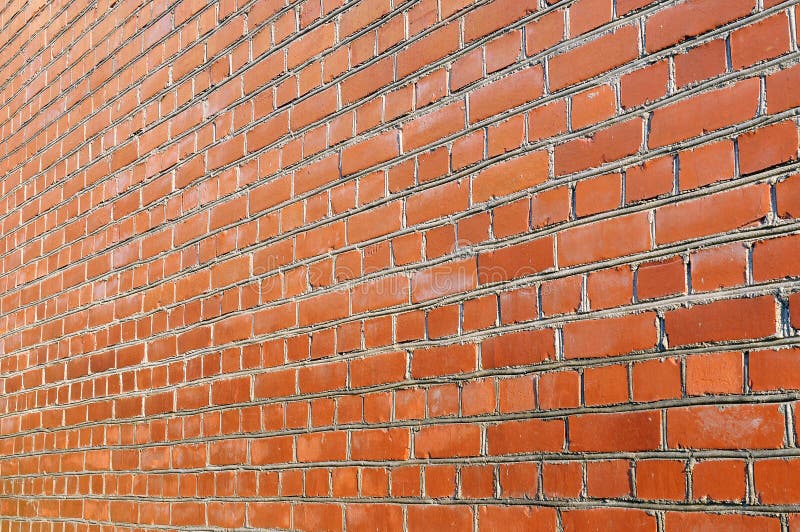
384	264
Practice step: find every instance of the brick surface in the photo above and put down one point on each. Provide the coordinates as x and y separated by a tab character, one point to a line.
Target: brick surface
399	265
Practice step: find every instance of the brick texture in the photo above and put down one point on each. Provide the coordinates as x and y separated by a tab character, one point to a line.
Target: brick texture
415	265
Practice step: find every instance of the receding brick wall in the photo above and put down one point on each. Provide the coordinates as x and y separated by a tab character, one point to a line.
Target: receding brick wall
383	265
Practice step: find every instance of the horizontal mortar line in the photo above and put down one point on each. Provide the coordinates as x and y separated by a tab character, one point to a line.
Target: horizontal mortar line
653	7
328	18
491	288
139	33
31	37
588	457
17	112
11	16
222	169
768	231
543	367
538	368
424	186
419	36
485	420
559	504
147	24
284	44
43	29
424	383
308	194
656	305
529	60
139	526
772	230
658	509
334	82
547	185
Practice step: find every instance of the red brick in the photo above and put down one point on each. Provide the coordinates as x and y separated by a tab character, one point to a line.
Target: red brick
661	480
380	444
274	246
590	59
704	112
767	146
518	348
769	255
559	389
610	336
601	518
562	480
533	435
594	105
548	120
444	517
763	40
447	441
321	446
562	295
379	294
788	197
508	92
511	176
780	95
718	267
378	369
269	514
598	194
430	203
721	321
374	517
430	48
318	517
706	164
644	85
775	481
627	431
519	479
700	63
650	179
725	427
477	482
794	310
492	17
544	32
715	373
604	240
610	288
516	305
661	278
375	150
436	361
512	262
691	18
608	479
610	144
675	521
719	480
605	385
322	377
516	518
710	214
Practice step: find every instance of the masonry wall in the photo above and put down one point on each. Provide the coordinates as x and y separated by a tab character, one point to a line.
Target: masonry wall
384	265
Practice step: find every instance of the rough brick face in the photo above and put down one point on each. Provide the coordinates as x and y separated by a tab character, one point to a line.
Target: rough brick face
401	265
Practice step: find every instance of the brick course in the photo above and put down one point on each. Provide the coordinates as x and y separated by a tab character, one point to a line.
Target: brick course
399	265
